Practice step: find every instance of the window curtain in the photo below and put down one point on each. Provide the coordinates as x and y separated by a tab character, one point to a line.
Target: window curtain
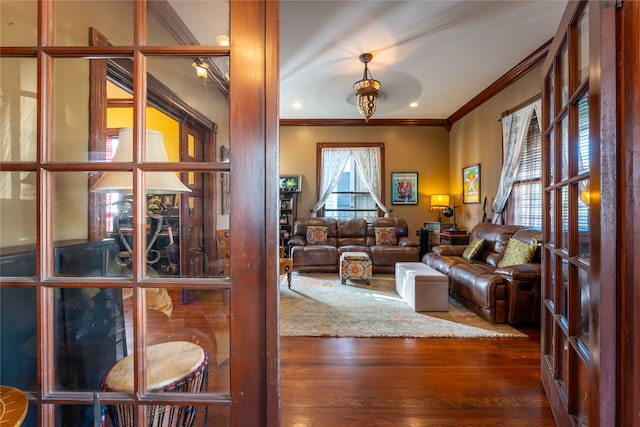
514	132
368	162
334	161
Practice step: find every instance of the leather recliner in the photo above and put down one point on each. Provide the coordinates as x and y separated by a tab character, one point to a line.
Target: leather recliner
500	295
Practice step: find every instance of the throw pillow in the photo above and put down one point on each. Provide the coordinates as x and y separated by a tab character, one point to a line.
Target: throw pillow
474	247
317	235
517	252
385	236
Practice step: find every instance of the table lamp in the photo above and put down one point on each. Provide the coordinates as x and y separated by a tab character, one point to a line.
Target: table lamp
156	183
439	202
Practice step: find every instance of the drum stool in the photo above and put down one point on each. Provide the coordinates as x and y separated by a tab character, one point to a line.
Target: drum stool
176	366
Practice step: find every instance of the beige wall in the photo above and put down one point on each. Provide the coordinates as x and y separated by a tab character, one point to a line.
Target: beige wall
477	138
437	155
407	149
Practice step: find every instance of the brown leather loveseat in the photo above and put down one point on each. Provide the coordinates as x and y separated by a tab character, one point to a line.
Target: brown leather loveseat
509	294
385	240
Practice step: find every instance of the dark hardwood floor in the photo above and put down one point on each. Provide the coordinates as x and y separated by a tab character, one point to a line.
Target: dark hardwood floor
412	382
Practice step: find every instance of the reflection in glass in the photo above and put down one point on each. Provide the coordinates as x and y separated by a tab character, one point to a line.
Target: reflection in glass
583	134
84	247
565	290
564	76
563	367
552	277
89	332
564	148
19	89
547	342
196	316
112	18
18	23
18	341
552	217
208	21
552	95
18	230
584	235
583	45
564	195
583	394
71	109
552	156
583	329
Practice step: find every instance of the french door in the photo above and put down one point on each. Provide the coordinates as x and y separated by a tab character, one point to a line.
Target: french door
118	323
591	109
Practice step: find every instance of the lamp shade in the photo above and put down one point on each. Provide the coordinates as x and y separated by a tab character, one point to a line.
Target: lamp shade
439	201
156	182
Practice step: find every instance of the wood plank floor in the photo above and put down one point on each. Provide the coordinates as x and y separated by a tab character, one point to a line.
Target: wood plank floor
412	382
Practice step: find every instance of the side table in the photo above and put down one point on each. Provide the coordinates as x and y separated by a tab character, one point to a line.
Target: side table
454	237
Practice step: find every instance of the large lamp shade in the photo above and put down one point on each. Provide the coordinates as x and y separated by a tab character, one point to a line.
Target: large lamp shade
156	182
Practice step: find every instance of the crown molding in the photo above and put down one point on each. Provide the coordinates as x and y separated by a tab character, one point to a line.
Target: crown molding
523	67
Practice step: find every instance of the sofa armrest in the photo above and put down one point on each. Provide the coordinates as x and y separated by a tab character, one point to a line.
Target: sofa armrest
456	250
527	272
297	241
406	242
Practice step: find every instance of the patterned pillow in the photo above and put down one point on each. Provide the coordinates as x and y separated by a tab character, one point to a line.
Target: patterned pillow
474	247
518	252
317	234
385	236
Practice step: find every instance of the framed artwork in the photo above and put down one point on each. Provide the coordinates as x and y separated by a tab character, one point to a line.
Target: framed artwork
404	188
471	184
291	182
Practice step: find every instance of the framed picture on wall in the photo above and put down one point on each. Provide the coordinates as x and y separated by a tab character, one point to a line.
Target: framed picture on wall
291	182
471	184
404	188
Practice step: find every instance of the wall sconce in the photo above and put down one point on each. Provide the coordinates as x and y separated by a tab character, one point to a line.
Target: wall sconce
439	202
584	189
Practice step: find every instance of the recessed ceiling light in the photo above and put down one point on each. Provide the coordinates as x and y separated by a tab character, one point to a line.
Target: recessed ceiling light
297	105
413	105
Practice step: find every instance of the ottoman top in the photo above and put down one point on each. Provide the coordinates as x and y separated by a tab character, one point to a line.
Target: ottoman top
355	255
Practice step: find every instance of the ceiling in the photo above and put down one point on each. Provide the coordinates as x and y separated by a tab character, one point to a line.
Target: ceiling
439	54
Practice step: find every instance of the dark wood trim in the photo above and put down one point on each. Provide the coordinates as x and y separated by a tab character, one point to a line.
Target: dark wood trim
508	78
361	122
628	107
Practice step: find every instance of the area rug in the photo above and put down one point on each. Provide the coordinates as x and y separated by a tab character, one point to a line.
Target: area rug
318	305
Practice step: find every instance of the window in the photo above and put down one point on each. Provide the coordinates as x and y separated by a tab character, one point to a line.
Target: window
350	199
351	179
525	202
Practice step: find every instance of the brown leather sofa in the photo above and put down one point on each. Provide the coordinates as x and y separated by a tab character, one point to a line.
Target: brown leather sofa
500	295
350	235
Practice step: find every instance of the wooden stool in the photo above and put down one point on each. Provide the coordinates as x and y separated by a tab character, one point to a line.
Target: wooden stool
355	266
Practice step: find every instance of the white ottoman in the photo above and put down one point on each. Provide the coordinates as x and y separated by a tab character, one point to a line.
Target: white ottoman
422	287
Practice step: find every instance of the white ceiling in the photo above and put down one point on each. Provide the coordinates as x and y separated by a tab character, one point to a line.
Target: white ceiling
438	53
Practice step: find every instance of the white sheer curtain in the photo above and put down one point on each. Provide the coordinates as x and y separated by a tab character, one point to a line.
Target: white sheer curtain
334	161
514	132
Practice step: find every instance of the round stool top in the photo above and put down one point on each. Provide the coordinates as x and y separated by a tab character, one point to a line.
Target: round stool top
166	363
13	406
